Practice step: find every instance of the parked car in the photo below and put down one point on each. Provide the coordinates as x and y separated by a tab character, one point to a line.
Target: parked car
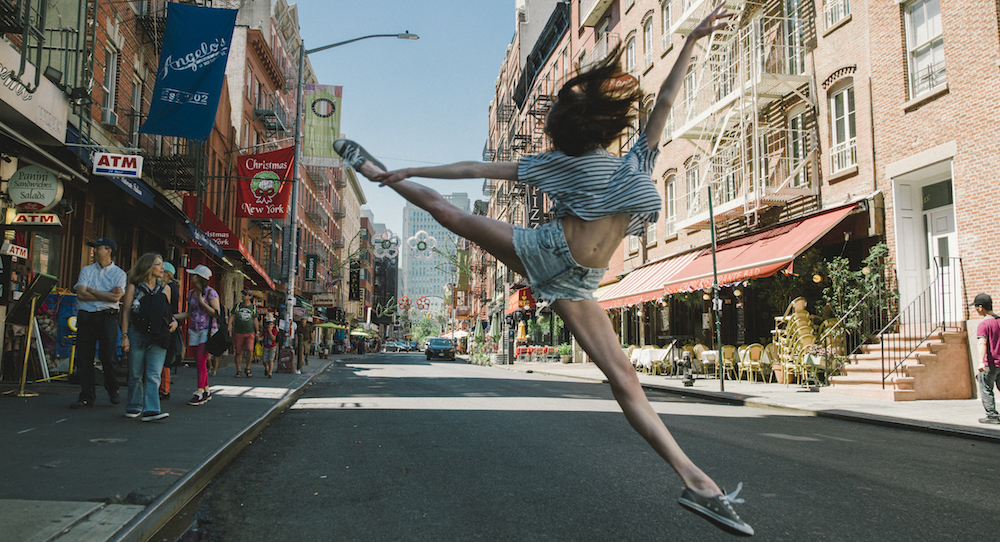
394	346
440	348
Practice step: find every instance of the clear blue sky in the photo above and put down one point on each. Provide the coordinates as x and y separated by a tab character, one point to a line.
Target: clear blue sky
412	102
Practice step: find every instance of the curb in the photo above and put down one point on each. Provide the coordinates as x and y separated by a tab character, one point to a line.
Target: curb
741	400
156	515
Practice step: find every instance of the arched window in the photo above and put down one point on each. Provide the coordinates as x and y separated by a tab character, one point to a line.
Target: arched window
843	129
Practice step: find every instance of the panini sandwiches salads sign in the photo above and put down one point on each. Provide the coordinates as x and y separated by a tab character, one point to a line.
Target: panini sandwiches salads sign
32	188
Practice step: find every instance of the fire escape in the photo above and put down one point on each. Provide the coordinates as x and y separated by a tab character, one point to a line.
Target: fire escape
752	155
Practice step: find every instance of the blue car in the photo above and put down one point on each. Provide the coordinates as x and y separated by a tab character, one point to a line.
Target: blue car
440	348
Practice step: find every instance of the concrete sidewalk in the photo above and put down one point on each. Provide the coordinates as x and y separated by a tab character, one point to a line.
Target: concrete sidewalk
954	417
93	474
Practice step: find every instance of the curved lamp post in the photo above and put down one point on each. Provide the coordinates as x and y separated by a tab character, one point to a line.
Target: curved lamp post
294	207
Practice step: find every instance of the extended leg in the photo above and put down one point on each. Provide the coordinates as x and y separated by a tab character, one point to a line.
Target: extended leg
591	327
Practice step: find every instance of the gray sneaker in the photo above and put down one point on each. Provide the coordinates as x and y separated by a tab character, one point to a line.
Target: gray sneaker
989	419
355	155
718	510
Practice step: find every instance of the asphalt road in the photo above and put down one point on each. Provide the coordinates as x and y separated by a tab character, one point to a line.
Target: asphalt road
392	447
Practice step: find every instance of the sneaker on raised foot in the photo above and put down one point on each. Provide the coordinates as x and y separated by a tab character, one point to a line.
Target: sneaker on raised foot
131	414
717	510
198	399
989	419
153	416
355	155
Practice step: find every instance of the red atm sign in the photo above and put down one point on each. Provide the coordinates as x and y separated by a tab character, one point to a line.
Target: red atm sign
117	165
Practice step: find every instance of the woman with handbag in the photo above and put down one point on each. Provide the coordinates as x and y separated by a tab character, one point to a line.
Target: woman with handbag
146	324
203	308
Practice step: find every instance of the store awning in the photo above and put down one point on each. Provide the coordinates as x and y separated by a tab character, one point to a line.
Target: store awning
216	230
756	256
646	283
521	299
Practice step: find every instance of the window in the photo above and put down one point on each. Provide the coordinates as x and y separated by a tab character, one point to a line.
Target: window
836	11
633	243
650	233
647	43
797	148
690	93
665	17
136	109
843	150
794	27
694	187
565	66
630	56
669	206
925	46
110	82
668	128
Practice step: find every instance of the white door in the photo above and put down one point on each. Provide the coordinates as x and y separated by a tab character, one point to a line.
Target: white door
942	246
911	249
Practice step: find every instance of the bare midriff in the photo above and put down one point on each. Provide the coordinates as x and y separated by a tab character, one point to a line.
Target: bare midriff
593	242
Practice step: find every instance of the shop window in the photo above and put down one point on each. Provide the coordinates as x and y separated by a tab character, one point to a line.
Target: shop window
46	253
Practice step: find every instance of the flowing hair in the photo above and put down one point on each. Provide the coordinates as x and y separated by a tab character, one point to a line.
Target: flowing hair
142	271
593	108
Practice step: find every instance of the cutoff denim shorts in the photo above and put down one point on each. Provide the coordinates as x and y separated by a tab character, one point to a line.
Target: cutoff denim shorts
552	271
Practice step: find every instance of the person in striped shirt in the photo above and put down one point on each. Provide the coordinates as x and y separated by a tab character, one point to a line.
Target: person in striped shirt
598	199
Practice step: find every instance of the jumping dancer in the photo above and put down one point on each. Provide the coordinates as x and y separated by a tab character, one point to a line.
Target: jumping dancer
599	198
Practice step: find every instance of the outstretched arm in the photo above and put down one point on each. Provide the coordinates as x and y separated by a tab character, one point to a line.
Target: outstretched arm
459	170
672	84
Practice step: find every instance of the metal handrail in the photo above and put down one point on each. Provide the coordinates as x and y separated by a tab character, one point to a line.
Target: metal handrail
932	311
872	324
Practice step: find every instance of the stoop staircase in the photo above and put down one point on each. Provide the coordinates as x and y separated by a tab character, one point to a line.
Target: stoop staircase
932	368
920	353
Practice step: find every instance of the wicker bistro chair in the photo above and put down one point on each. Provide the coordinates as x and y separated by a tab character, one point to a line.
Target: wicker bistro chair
730	360
752	362
696	352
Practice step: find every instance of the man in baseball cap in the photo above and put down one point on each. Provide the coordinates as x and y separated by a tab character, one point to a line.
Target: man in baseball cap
988	334
104	242
99	290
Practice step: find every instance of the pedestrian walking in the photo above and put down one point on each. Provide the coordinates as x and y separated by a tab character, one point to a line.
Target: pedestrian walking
245	330
203	308
302	334
146	324
175	352
99	290
599	198
988	339
269	342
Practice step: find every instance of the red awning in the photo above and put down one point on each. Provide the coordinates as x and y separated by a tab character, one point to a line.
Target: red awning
521	299
757	256
646	283
221	234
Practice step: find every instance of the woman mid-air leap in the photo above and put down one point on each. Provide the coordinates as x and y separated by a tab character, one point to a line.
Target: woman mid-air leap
598	199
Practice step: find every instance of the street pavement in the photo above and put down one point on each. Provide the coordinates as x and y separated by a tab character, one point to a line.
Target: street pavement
94	475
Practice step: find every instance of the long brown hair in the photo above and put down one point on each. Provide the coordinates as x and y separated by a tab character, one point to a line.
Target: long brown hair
143	268
594	107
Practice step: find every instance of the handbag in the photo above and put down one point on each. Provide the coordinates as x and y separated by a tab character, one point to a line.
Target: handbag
221	340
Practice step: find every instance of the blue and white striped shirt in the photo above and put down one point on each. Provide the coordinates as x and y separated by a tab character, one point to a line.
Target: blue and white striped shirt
598	184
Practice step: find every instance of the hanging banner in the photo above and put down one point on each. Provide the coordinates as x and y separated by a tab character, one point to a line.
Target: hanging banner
191	70
311	261
321	125
264	184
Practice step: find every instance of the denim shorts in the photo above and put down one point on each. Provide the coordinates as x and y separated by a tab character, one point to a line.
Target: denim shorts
552	271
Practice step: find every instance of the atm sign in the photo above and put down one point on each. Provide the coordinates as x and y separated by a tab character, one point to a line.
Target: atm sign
121	165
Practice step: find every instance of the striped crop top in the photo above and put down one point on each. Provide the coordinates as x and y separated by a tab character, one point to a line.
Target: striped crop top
597	184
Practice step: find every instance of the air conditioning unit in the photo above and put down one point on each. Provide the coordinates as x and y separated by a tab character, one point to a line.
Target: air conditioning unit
109	117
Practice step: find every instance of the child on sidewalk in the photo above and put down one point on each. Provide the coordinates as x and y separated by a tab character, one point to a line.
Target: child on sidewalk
599	198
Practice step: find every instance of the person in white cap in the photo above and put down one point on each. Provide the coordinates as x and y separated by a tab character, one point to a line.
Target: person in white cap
203	307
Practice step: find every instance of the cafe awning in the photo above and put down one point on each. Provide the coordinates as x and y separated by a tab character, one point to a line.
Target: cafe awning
756	256
645	283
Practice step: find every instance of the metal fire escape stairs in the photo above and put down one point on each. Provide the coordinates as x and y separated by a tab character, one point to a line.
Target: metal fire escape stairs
741	72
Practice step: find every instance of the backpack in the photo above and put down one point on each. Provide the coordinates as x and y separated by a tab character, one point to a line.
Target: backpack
152	316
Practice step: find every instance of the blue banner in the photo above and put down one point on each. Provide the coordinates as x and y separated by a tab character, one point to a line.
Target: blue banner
136	188
192	67
204	240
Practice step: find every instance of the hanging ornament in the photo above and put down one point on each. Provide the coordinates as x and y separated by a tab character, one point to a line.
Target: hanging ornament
423	303
386	244
404	303
422	245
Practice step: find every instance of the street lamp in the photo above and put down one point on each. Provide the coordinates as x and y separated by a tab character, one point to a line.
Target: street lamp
294	218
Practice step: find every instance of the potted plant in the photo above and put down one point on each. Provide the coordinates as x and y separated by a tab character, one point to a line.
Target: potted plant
565	353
